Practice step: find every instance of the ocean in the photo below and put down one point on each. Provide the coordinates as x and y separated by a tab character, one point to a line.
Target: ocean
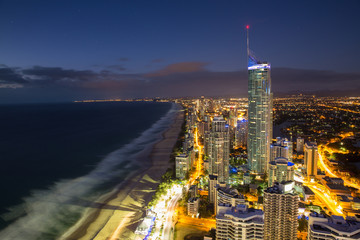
57	159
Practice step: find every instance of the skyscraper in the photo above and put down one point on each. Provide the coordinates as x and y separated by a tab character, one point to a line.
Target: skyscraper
280	212
219	150
300	145
241	133
311	156
259	113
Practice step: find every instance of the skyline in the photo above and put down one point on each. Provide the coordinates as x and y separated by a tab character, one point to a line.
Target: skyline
62	51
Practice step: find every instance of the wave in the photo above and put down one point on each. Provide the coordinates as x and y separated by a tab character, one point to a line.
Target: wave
46	214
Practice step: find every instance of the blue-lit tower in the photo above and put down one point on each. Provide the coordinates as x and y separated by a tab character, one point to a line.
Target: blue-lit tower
259	113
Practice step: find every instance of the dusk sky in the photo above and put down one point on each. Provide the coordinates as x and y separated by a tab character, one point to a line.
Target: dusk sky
73	50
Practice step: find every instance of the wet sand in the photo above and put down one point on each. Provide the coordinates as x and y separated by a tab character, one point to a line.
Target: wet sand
121	210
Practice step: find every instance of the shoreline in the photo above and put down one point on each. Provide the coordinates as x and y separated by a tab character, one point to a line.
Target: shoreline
122	208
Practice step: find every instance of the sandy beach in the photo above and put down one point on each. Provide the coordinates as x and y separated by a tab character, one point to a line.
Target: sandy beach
120	211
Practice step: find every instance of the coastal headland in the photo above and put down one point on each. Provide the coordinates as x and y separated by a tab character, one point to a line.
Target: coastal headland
120	211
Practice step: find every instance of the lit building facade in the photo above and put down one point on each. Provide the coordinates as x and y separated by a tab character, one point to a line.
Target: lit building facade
226	195
281	148
219	150
241	133
280	212
212	188
280	170
182	162
311	156
259	114
300	145
239	223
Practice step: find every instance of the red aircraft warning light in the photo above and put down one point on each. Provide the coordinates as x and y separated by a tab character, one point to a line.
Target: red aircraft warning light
247	26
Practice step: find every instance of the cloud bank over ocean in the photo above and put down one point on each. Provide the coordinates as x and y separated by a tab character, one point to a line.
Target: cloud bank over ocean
39	83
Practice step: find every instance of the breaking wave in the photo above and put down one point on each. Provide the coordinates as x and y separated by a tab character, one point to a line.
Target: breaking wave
46	214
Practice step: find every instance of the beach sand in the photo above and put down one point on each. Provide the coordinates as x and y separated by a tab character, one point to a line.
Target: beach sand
121	210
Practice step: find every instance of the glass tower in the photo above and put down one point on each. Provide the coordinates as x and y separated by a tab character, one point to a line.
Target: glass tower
259	114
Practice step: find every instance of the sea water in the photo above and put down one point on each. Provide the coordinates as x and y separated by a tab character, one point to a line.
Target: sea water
57	159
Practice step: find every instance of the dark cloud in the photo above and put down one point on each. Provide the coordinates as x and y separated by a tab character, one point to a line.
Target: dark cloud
54	74
11	75
288	79
182	67
175	80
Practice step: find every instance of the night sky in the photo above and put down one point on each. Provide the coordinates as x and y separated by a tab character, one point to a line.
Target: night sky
63	50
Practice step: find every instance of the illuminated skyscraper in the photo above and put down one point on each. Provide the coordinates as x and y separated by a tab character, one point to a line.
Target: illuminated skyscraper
311	156
281	209
219	150
259	113
241	133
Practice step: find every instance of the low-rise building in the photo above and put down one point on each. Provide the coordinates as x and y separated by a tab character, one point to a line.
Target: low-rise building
334	227
239	223
193	191
336	189
193	206
309	195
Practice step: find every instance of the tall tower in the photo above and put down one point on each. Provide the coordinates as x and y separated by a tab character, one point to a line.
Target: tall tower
280	212
311	156
219	150
259	112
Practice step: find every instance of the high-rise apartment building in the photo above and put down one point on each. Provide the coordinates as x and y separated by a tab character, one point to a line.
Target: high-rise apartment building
281	212
280	170
259	113
212	188
239	223
281	148
219	150
300	145
182	164
311	156
241	133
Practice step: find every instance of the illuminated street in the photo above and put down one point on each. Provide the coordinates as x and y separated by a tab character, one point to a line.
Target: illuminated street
325	199
168	223
322	150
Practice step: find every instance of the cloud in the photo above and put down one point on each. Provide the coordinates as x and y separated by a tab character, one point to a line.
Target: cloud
289	79
54	74
11	75
174	80
182	67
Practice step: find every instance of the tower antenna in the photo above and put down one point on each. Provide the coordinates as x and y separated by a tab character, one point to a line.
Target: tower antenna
247	40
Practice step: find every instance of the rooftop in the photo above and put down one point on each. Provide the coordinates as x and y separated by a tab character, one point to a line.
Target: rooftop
337	225
242	212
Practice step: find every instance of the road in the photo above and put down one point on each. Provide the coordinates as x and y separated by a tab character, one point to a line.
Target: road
326	200
168	224
322	149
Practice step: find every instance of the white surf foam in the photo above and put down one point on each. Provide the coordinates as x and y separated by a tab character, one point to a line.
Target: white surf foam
48	212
